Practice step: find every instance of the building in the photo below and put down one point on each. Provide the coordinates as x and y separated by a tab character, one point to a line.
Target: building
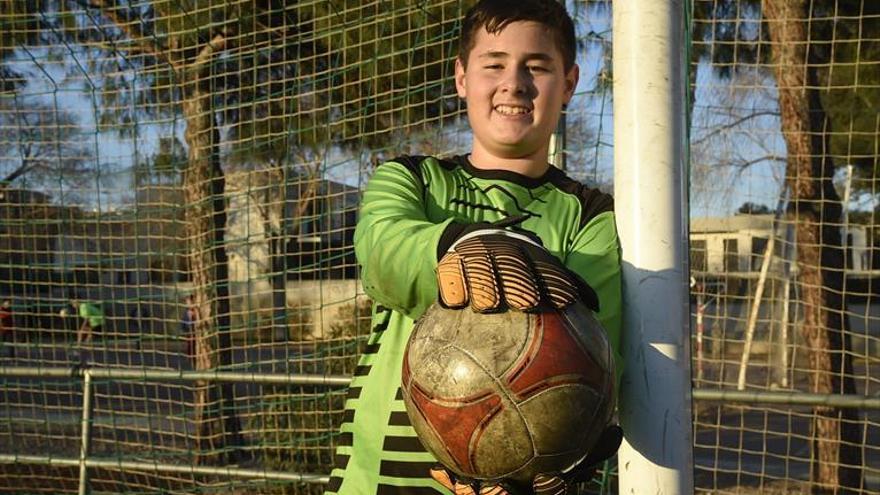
315	220
736	244
29	228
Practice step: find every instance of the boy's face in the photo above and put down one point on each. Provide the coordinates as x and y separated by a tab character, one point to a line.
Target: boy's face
515	85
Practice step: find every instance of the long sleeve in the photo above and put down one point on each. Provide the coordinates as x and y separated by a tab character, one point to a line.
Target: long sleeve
595	256
395	242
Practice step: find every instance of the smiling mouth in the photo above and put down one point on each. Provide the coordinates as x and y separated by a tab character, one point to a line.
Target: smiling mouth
512	110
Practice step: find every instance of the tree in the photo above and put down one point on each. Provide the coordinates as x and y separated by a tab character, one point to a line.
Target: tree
798	38
749	208
326	78
163	167
42	145
167	47
18	26
237	72
810	171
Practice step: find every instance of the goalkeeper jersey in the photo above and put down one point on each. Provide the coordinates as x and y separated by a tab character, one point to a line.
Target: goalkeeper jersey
413	208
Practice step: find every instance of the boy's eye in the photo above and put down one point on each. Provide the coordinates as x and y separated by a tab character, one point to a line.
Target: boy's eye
494	66
538	68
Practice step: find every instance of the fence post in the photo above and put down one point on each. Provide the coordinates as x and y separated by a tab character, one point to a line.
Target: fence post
85	433
755	310
649	162
557	144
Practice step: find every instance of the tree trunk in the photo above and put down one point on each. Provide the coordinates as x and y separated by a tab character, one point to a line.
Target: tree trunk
275	197
204	193
837	457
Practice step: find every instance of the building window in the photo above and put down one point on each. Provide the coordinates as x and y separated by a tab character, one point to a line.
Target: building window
731	255
699	262
759	245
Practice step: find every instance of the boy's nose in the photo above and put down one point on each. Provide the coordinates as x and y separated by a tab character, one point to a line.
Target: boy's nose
517	81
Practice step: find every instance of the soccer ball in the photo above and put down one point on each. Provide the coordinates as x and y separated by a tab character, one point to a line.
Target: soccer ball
508	395
63	312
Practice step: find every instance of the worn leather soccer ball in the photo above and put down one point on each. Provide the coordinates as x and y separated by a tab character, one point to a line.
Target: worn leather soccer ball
508	395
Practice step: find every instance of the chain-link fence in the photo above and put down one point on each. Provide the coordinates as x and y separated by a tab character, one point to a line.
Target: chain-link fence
187	175
784	134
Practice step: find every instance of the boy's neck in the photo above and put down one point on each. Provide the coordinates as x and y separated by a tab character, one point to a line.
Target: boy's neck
533	166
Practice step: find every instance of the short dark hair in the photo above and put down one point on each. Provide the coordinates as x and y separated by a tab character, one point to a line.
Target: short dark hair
495	15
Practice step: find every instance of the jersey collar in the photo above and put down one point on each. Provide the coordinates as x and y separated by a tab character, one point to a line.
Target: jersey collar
550	175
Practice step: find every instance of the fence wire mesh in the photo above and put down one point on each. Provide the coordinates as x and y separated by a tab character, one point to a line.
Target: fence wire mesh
188	175
784	128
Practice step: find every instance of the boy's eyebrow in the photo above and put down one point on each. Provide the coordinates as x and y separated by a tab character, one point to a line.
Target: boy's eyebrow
529	56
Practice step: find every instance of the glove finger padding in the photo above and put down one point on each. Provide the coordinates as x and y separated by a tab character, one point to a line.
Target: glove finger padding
450	278
547	484
499	274
560	483
466	487
494	270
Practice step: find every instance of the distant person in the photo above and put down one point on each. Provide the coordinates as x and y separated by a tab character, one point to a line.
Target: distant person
7	329
139	323
188	327
92	320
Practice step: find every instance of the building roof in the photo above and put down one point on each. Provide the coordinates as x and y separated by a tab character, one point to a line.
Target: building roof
23	196
735	223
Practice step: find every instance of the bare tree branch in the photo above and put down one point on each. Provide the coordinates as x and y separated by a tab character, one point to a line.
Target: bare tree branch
719	129
742	166
145	42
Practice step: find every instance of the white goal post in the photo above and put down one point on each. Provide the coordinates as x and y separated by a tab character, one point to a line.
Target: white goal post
650	203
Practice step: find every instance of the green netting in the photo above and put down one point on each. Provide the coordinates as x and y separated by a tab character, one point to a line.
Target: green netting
155	150
783	174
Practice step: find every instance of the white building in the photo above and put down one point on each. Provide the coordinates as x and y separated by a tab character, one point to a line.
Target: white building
737	244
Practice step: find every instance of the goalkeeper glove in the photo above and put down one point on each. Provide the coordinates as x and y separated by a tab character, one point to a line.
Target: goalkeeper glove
560	483
495	269
543	484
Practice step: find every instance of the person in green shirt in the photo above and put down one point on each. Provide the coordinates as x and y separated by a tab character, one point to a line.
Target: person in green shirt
92	320
496	229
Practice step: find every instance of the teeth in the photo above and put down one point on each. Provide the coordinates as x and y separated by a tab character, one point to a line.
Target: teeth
511	110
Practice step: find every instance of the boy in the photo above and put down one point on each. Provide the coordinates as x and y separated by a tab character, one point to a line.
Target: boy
462	229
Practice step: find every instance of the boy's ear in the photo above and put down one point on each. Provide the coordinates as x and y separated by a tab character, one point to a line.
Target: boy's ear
460	86
571	82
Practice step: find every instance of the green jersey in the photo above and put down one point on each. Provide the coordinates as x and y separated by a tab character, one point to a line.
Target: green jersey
93	313
412	209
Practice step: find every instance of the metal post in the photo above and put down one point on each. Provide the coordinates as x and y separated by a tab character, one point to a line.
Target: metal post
655	405
783	334
847	189
701	308
557	139
85	432
557	144
755	309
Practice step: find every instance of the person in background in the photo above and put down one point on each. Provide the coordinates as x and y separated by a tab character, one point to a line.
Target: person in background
7	329
139	324
92	320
